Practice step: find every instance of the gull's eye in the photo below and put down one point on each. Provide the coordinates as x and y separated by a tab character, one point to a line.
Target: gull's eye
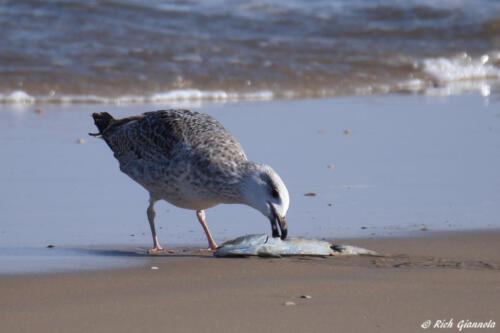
275	193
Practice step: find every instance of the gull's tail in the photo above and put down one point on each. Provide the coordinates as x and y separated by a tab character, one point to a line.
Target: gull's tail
102	120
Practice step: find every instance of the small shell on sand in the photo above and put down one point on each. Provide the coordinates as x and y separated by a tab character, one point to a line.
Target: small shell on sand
306	296
155	268
289	303
310	194
39	111
347	132
80	141
331	166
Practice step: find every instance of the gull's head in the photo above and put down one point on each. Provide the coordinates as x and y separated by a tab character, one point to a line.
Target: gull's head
264	190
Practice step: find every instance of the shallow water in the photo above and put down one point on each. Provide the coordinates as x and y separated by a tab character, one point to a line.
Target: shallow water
148	51
35	260
409	162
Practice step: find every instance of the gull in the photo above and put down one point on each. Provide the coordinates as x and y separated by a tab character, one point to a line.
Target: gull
190	160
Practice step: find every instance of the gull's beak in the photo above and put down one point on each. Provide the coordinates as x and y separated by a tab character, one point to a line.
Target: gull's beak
278	221
283	227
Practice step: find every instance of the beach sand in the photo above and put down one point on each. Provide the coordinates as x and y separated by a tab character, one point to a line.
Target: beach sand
440	277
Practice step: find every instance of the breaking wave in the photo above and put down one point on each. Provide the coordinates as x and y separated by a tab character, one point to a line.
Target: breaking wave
128	51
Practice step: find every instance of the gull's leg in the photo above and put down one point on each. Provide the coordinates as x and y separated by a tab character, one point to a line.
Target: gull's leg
201	217
151	218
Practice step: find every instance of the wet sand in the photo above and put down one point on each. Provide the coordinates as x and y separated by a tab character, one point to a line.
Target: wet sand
443	276
408	162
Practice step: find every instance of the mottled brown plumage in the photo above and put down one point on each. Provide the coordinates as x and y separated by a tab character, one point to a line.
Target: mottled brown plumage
188	159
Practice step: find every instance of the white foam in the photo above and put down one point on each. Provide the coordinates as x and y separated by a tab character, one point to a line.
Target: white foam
364	90
412	85
185	95
193	94
461	87
18	97
259	95
461	68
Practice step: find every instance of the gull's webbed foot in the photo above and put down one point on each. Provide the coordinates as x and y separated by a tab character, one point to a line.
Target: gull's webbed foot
212	247
159	250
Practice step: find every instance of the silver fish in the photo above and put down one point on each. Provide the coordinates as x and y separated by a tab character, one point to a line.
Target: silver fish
265	246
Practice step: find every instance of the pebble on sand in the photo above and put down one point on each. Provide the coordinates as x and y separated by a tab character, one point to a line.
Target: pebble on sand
424	229
155	267
310	194
80	141
39	111
331	166
306	296
289	303
51	246
347	132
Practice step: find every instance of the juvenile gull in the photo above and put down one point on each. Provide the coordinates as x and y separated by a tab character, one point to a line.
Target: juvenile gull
190	160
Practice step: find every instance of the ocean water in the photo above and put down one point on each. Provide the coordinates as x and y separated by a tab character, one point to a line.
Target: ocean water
122	51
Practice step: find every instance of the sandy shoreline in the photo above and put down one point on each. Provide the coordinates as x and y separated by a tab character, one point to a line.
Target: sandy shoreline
443	276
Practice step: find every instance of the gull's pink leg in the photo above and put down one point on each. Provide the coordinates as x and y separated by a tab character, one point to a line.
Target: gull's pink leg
151	218
201	217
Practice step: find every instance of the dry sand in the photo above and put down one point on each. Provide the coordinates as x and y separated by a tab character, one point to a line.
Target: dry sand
442	276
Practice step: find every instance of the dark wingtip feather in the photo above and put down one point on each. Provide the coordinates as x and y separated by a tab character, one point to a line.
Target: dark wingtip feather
102	120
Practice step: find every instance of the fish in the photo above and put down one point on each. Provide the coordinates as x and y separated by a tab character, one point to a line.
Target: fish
263	245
